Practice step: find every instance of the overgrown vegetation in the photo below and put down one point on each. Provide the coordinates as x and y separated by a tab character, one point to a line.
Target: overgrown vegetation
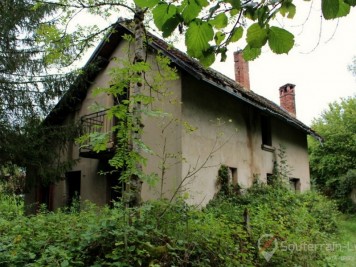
179	235
346	255
332	163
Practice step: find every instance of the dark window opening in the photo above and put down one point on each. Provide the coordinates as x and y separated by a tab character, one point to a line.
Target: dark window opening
114	187
73	186
266	131
294	184
269	178
45	196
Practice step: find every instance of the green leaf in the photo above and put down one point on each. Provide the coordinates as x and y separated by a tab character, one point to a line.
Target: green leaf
146	3
288	8
330	8
203	3
207	59
223	54
220	21
169	26
262	14
219	37
350	2
162	13
197	38
251	53
234	12
191	10
344	9
236	4
236	34
280	41
250	13
256	36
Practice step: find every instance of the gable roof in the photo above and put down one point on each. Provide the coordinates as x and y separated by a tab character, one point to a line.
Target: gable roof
101	57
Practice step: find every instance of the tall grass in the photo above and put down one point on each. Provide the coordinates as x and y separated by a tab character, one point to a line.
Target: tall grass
346	256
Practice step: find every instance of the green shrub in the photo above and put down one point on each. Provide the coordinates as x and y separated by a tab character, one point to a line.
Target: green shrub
344	186
173	234
293	219
11	206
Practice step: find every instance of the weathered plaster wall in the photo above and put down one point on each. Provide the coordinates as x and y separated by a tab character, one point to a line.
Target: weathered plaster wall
237	142
162	134
295	143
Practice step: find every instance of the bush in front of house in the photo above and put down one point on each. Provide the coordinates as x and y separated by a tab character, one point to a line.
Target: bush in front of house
299	227
163	234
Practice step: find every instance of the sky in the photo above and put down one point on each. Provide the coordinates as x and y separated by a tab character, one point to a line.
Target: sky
317	68
317	65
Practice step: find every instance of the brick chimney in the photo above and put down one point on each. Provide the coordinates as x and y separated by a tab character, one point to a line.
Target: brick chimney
241	70
287	98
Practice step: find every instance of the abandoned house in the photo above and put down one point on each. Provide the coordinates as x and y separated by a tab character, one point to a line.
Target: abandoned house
213	121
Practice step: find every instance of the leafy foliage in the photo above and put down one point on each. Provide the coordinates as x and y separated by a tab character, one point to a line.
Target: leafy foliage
27	84
214	236
222	18
336	156
209	26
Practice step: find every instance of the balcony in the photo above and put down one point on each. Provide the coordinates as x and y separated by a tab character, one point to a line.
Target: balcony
93	124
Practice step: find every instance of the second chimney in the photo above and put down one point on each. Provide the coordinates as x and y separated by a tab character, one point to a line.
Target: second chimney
241	70
287	98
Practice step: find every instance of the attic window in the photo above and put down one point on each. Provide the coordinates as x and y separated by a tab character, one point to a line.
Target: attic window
266	131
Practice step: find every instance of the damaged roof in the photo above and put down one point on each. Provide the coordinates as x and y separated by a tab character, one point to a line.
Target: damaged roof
102	55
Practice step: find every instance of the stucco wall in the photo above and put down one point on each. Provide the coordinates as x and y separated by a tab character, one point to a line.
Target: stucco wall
236	142
295	143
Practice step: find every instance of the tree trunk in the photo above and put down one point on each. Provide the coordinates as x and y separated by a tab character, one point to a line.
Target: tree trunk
137	88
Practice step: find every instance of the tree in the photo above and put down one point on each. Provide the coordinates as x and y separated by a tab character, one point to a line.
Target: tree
209	27
336	155
27	84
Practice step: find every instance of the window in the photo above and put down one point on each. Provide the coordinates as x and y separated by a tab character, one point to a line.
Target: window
266	131
269	178
294	184
114	185
45	196
233	176
73	186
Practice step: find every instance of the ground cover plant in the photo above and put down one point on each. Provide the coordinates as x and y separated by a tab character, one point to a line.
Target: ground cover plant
346	252
173	234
